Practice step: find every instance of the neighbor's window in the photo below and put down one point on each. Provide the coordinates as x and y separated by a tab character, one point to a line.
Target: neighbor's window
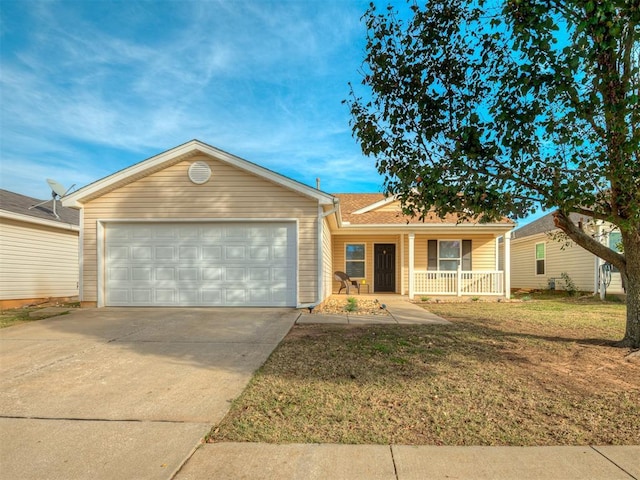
615	241
355	260
615	244
540	258
449	254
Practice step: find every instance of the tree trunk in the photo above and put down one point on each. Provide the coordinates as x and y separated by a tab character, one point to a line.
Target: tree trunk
632	253
629	265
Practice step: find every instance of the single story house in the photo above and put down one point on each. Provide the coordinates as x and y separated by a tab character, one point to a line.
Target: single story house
196	226
38	252
540	254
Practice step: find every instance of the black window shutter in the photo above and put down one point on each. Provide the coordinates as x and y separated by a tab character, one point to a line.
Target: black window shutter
432	255
466	255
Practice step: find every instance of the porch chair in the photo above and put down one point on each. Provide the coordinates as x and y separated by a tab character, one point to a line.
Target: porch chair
346	282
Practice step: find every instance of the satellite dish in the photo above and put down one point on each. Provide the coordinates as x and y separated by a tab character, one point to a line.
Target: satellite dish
57	190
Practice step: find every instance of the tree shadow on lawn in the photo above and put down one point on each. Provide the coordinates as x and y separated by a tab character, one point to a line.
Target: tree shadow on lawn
456	384
371	352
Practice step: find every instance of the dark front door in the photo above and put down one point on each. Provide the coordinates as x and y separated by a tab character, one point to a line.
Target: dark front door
384	274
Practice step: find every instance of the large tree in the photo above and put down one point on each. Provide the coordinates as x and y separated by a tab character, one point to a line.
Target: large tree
494	108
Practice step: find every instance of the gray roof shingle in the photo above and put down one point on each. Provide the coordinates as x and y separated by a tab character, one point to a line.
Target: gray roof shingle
17	203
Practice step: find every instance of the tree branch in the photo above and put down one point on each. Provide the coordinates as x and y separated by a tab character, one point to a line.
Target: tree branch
562	221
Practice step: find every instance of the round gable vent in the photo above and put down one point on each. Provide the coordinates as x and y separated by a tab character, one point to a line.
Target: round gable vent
199	172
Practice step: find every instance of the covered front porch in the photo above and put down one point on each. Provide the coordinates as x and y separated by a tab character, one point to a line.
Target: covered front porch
458	261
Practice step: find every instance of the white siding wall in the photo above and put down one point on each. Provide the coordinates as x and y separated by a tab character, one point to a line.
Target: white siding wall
37	261
230	194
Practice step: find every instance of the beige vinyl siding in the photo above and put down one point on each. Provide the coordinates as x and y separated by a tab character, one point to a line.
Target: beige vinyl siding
231	193
327	261
37	261
578	263
339	260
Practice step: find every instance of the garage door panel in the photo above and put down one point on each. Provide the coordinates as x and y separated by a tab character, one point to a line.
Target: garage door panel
200	264
260	274
141	274
188	252
187	273
235	252
212	253
120	296
235	296
212	296
212	273
119	273
165	253
141	296
118	253
141	253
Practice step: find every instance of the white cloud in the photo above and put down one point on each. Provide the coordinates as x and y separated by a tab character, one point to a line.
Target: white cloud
114	83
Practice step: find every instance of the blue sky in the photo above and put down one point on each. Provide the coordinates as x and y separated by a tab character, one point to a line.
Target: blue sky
91	87
88	87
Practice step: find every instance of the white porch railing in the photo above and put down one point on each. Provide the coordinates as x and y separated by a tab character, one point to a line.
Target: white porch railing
439	282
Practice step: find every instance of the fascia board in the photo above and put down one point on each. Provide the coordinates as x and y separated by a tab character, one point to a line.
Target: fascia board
447	228
374	206
38	221
76	198
321	197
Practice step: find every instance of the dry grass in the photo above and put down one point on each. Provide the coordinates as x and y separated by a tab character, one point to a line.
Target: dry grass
15	316
531	373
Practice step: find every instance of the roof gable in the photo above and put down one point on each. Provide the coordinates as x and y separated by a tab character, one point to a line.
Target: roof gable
176	155
375	209
544	224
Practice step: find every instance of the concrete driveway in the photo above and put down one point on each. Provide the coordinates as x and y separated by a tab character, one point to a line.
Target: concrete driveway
122	392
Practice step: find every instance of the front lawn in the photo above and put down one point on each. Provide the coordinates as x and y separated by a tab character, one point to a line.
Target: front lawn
541	372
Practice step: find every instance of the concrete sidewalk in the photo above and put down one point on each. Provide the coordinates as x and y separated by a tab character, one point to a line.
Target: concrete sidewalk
397	462
400	311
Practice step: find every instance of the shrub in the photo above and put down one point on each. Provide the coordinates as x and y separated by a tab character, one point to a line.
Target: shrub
352	304
569	285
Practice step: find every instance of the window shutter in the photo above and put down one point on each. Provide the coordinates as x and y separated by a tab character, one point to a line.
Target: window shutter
466	255
432	255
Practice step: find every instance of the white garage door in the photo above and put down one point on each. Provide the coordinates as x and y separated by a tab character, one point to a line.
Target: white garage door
200	264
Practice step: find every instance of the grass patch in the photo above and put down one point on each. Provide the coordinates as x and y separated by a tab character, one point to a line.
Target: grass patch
16	316
534	373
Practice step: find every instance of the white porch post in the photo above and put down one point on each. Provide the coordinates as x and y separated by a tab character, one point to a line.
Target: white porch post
402	270
412	237
507	265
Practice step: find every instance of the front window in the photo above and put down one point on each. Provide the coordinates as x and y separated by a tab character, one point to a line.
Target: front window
449	254
540	258
355	260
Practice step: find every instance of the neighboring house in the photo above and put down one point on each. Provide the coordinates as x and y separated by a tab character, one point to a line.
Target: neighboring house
197	226
540	254
38	252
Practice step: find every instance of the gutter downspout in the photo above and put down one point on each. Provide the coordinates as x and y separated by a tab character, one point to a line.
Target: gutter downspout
321	216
